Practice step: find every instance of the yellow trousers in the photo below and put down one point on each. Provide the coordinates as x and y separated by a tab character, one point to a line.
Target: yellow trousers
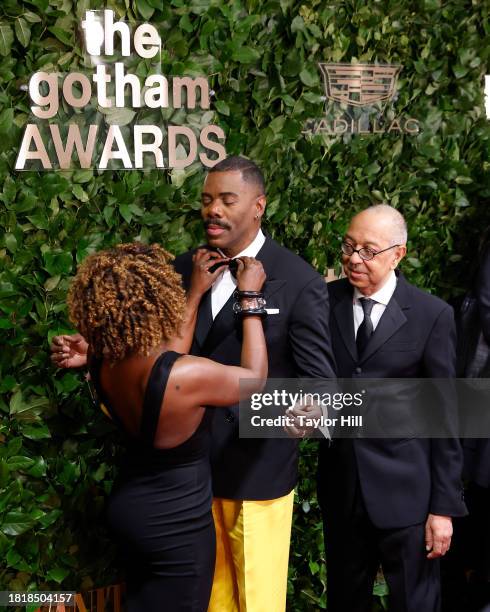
252	552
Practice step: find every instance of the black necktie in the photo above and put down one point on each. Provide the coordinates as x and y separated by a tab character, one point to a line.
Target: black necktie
366	328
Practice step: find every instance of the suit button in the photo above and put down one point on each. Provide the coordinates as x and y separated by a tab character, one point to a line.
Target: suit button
229	418
358	370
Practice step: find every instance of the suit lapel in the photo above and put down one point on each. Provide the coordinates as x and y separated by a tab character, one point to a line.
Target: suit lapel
391	320
344	315
222	326
204	319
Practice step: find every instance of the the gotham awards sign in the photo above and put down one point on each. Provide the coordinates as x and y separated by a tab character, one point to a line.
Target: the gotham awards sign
119	111
361	93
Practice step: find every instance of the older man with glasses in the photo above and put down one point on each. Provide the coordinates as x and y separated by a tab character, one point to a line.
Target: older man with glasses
387	501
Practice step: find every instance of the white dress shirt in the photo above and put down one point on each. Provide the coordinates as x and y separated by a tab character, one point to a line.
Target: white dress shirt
381	299
226	284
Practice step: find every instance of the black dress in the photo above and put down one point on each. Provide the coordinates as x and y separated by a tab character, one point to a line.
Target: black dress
160	509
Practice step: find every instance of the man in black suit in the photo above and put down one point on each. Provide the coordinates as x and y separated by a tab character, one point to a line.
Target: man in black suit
387	501
253	479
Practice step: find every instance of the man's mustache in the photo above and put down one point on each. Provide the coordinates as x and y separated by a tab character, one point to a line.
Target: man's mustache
217	222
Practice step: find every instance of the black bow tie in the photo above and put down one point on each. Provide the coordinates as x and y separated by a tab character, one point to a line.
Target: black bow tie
232	266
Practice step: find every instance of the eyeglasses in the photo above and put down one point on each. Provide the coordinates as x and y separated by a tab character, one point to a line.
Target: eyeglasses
365	253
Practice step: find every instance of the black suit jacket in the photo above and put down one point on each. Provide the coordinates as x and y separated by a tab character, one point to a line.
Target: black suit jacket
482	291
298	344
401	480
477	451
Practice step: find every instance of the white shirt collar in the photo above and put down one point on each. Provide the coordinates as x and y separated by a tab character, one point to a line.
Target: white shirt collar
383	295
254	247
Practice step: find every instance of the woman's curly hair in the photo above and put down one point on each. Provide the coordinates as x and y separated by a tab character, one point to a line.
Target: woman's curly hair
126	300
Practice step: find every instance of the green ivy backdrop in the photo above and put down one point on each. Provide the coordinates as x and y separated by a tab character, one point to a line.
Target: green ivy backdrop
56	451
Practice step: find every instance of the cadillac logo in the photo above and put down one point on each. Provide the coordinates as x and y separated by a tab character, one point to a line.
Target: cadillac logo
359	87
359	84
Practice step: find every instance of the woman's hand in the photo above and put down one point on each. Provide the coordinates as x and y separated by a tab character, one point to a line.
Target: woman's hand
202	278
69	351
250	274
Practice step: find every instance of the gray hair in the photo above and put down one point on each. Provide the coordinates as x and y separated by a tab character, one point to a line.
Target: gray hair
396	219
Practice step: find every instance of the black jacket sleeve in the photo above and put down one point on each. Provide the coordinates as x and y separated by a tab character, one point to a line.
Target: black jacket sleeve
309	332
483	293
446	453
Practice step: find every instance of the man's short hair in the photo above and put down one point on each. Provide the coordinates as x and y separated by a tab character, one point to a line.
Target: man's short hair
396	218
250	172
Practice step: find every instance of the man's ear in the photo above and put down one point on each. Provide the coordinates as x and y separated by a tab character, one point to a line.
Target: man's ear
400	253
260	205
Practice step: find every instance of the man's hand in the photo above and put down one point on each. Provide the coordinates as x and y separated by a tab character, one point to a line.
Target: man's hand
299	428
69	351
438	532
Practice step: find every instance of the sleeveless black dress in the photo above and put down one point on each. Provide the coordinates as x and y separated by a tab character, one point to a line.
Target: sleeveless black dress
160	509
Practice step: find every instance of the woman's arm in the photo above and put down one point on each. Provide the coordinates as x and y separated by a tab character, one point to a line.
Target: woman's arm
204	382
201	281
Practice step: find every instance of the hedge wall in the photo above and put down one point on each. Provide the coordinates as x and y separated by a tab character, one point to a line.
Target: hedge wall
56	452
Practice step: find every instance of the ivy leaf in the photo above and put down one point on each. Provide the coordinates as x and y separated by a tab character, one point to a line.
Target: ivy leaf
372	169
6	39
144	9
222	107
62	35
118	116
16	402
42	5
11	242
50	518
79	193
16	523
58	263
35	432
83	176
58	574
31	17
52	282
39	220
460	71
413	261
308	77
461	200
18	462
245	55
126	212
22	31
7	383
38	470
